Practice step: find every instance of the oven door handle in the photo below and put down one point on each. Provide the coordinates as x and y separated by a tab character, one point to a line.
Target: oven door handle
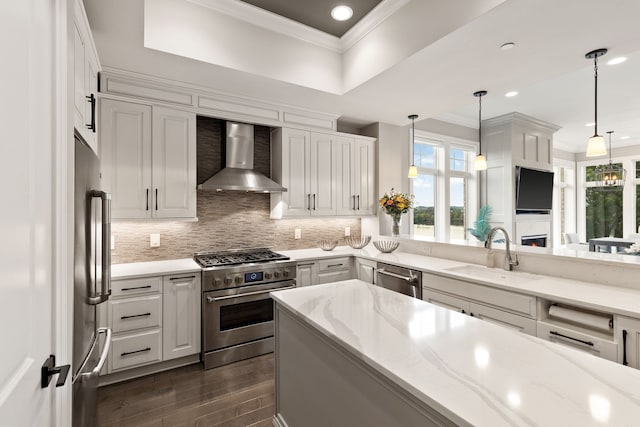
226	297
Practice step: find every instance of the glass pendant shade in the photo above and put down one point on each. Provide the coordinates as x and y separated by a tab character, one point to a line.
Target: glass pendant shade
596	147
610	177
480	163
413	171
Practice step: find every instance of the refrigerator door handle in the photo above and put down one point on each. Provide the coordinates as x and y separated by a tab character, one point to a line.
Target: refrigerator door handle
103	356
106	248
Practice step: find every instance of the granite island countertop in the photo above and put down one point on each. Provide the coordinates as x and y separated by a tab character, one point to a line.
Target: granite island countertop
473	372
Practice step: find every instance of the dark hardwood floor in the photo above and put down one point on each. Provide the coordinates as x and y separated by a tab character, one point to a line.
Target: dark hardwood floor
236	395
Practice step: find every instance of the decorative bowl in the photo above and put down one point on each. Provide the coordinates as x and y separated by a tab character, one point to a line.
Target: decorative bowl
358	242
328	245
386	246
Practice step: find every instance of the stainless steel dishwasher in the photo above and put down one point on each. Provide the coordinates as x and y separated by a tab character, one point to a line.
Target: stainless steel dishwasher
399	279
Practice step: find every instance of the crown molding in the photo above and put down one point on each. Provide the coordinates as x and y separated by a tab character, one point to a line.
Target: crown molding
519	117
371	20
274	22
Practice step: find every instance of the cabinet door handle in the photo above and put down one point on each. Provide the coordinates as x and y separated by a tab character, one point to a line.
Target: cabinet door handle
137	287
147	199
127	353
184	277
309	201
558	334
92	100
624	348
135	315
314	202
462	311
306	265
358	202
156	199
354	202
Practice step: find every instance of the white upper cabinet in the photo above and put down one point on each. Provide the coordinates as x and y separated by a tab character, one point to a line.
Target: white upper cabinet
355	168
325	174
85	78
150	172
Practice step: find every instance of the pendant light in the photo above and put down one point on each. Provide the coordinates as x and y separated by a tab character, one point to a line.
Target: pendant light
610	177
595	145
481	161
413	170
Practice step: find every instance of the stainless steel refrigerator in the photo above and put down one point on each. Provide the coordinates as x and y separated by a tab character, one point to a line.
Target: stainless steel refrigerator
92	282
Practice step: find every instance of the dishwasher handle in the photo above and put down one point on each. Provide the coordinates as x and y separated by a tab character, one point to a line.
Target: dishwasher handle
413	280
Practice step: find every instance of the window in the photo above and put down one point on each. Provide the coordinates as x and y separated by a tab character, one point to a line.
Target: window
603	208
445	189
564	200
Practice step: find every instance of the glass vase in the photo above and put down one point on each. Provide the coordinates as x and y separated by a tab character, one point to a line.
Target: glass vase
395	229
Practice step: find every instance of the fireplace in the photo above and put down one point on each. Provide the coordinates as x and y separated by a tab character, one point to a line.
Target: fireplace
539	240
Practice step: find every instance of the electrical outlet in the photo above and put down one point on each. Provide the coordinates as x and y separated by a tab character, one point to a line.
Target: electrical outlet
154	240
297	234
347	231
113	243
426	250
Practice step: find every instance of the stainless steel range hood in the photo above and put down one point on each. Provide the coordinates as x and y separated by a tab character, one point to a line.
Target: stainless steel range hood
238	175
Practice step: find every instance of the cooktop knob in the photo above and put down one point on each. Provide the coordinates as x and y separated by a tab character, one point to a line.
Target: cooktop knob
276	274
217	282
285	273
267	276
227	280
238	279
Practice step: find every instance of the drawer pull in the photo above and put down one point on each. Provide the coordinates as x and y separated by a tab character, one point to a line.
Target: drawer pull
180	278
127	353
589	343
624	348
135	315
334	265
306	265
136	288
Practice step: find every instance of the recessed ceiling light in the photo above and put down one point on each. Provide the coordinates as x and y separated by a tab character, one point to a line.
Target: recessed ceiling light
511	94
625	137
590	124
617	60
341	13
507	46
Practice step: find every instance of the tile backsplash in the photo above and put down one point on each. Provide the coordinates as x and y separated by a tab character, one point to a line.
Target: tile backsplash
226	220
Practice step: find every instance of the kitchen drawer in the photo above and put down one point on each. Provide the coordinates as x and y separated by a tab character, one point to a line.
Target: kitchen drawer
595	345
334	264
135	349
135	313
499	317
334	276
517	303
140	286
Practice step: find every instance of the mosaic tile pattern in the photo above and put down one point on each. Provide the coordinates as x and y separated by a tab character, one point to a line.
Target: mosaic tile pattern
228	220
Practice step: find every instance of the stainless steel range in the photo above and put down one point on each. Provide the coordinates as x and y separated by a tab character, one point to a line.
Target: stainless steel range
237	311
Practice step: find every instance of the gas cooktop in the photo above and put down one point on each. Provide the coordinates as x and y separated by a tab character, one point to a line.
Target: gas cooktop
236	257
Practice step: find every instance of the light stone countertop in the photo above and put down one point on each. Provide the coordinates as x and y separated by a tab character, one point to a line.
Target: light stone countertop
154	268
472	371
604	298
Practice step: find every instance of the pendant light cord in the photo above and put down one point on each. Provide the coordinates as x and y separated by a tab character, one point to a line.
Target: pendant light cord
480	124
595	74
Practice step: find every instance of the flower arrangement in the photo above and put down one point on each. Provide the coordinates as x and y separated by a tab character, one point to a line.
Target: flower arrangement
396	203
633	249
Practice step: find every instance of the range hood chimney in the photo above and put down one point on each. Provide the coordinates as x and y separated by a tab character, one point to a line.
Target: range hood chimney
238	175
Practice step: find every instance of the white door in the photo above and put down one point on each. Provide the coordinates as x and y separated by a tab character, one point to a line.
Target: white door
346	204
32	134
323	175
296	172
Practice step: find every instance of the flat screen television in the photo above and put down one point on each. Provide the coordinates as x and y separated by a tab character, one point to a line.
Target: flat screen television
534	190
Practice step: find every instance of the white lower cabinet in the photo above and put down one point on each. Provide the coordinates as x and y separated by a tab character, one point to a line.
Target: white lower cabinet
153	319
505	308
181	312
307	273
628	338
326	270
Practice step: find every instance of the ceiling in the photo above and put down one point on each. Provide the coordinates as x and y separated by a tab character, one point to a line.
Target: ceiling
437	80
317	14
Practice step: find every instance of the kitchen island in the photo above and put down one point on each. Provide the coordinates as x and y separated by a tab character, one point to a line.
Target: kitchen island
349	353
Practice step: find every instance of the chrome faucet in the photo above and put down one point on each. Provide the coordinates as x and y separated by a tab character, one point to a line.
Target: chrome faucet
509	262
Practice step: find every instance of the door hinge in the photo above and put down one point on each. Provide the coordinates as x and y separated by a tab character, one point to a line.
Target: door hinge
49	369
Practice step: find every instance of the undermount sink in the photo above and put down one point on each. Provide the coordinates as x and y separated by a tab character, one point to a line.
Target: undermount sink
493	273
